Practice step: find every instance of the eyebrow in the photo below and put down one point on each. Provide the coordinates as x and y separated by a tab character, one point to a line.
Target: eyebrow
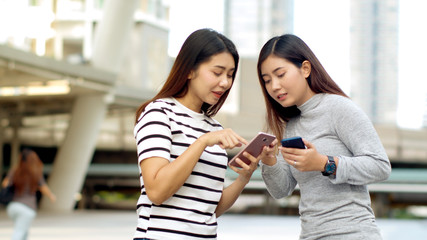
275	70
222	67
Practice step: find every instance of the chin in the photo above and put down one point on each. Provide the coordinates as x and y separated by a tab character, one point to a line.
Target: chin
286	105
212	101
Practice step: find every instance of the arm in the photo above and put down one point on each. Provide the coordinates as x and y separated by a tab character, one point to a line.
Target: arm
369	162
5	182
45	190
276	172
230	195
278	178
232	192
8	178
163	178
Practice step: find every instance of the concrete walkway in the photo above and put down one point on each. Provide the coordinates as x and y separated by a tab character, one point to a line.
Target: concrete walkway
119	225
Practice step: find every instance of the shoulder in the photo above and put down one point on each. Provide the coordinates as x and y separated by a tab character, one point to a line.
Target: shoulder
162	104
155	115
214	123
156	107
344	111
337	99
340	103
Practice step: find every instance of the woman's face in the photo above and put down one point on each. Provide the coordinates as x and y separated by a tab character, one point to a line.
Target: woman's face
210	81
285	82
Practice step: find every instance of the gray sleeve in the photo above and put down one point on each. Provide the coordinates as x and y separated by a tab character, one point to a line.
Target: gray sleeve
369	162
278	178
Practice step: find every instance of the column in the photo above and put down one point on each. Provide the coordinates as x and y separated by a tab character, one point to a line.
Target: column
74	156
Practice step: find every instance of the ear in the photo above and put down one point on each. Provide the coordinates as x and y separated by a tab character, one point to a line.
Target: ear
306	68
191	75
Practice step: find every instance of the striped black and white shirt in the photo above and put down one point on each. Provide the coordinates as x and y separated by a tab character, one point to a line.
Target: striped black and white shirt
166	129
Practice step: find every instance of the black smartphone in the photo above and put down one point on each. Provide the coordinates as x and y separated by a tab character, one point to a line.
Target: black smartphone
293	142
254	148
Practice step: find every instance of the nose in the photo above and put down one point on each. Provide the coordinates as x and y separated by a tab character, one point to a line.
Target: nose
275	84
225	82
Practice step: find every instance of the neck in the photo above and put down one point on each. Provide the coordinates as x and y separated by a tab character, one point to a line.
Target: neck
191	103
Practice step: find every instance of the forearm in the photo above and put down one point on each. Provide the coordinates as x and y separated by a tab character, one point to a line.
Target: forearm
362	170
278	180
44	189
230	195
368	163
5	182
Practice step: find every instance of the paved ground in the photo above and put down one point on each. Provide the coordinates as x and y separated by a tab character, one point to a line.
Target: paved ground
119	225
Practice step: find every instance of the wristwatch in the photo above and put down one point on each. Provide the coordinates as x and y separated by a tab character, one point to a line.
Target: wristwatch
330	167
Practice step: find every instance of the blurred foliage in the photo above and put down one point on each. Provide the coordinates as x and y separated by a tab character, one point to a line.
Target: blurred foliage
403	213
113	196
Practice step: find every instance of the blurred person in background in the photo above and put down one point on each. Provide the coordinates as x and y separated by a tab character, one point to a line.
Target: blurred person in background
182	150
27	178
343	151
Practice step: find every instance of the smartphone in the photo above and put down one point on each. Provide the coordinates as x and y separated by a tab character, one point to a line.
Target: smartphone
293	142
254	148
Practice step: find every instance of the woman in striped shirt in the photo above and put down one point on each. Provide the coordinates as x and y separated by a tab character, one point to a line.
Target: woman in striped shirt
182	149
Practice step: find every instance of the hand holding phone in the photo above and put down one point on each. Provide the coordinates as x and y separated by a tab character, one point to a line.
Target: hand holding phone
254	148
293	142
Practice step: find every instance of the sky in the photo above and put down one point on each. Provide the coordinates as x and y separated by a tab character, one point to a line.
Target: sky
186	16
412	62
189	15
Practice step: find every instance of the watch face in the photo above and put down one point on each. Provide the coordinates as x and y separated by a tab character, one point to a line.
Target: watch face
330	168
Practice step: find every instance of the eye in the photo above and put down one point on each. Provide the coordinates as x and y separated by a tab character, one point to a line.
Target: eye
267	81
230	73
217	74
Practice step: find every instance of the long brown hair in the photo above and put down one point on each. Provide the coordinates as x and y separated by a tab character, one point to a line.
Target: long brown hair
296	51
198	48
28	172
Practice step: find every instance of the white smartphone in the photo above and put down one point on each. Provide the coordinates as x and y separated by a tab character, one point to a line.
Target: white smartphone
254	148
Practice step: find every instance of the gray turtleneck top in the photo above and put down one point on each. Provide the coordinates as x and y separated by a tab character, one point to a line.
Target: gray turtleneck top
333	208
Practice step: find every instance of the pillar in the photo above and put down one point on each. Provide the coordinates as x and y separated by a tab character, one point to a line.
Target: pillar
15	145
74	156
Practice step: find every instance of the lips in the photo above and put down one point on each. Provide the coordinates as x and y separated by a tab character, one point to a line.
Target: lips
282	96
217	94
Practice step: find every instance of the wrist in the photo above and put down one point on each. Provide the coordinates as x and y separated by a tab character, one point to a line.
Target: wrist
202	140
269	161
324	162
330	167
243	180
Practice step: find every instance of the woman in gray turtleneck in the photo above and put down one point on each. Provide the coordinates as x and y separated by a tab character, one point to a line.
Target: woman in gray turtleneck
343	151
